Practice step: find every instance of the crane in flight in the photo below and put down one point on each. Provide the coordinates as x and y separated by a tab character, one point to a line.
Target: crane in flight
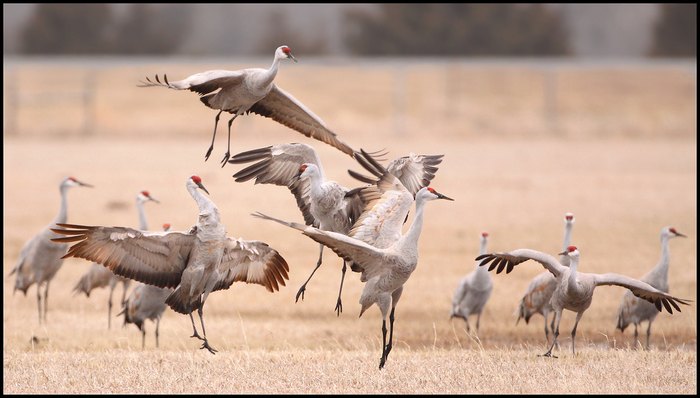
253	90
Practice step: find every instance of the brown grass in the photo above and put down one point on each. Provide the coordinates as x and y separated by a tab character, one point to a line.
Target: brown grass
518	188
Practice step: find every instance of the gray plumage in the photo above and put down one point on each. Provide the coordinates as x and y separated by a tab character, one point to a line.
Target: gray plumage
574	290
538	295
473	291
99	276
195	263
633	310
40	259
388	260
252	90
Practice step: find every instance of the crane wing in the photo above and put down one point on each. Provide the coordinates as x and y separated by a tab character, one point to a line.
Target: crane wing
283	108
414	171
515	257
386	206
201	83
155	258
642	290
252	261
279	165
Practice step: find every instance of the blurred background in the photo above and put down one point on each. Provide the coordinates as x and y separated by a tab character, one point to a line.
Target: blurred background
539	109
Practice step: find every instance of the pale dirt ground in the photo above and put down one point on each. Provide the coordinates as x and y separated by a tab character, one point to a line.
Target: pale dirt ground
513	184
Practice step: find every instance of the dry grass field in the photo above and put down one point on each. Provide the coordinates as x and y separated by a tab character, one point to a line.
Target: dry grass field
507	173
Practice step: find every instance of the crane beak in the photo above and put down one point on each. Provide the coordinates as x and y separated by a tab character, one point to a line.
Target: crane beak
563	253
203	189
82	184
292	57
681	235
441	196
153	199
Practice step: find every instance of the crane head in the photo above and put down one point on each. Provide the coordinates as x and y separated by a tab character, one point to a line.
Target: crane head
74	182
437	194
145	196
675	233
570	251
285	52
569	217
198	181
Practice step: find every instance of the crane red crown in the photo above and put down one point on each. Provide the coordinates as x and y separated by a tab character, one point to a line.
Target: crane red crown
146	194
571	248
286	50
196	179
485	234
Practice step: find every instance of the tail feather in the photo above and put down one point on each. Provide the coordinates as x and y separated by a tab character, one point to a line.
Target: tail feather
180	302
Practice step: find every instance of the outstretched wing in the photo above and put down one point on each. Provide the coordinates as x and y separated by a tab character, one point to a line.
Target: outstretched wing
155	258
515	257
201	83
279	165
252	261
283	108
642	290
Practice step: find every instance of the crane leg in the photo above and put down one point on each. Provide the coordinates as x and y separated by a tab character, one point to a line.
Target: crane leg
391	332
478	318
143	335
546	329
109	308
206	345
38	300
382	361
195	334
339	303
303	287
157	330
573	333
648	333
228	149
557	317
126	286
46	299
216	122
635	335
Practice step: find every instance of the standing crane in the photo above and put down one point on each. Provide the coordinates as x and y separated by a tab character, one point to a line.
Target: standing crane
195	263
536	299
574	290
473	291
388	263
98	276
633	310
145	302
252	90
39	260
325	204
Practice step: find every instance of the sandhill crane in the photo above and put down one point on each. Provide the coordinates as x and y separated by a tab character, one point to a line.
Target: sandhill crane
39	260
197	263
574	290
388	263
98	276
326	204
633	310
252	90
145	302
473	291
536	299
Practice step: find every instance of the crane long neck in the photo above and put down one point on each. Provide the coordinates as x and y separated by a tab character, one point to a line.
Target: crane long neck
143	224
665	259
573	267
204	204
565	260
269	74
411	237
63	212
482	250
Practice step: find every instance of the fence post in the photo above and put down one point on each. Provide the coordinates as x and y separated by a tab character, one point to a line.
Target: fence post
12	105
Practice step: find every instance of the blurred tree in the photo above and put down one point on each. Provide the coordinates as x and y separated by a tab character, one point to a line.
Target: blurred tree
281	34
675	33
457	29
67	29
149	29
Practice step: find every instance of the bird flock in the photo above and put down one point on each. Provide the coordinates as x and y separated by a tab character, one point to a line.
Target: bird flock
364	225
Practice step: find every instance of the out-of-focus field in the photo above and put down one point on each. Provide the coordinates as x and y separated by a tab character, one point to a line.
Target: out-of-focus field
620	154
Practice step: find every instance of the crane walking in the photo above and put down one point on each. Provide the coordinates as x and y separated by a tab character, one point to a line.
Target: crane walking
473	291
98	276
39	260
253	90
574	290
195	263
388	263
536	299
634	310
